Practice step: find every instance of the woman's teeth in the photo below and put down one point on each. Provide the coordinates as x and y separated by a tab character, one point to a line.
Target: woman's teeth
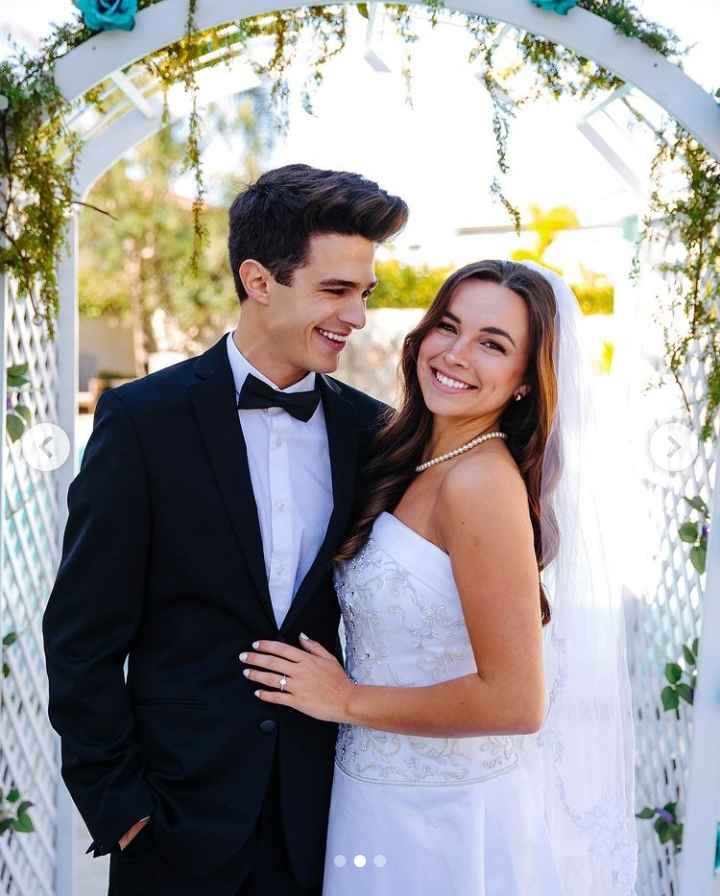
446	381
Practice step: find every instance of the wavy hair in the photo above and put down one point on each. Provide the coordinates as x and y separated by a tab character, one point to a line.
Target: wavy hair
404	435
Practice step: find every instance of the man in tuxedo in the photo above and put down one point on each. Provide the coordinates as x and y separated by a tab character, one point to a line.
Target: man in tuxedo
210	500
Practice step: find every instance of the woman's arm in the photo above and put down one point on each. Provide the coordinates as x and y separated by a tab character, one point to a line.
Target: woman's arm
483	519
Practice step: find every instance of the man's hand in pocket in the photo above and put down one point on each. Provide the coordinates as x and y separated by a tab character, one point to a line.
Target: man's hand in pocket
128	835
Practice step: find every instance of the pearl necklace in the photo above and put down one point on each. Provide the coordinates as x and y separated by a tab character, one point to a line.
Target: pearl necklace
466	447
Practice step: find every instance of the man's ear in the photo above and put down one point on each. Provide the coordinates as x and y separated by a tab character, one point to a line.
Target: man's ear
256	279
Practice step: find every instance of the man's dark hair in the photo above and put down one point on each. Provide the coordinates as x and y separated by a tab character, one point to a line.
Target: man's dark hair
273	219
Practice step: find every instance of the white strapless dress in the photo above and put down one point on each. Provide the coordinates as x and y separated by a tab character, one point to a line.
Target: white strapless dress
423	816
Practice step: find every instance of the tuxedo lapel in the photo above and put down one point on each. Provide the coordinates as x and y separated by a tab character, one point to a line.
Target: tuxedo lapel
213	400
212	396
342	445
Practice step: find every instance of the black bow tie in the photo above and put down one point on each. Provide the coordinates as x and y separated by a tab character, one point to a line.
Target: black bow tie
257	394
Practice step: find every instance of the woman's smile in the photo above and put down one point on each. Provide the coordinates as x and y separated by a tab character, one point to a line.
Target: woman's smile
449	385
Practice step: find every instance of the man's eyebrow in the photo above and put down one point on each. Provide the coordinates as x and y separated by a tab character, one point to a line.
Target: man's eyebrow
496	330
349	284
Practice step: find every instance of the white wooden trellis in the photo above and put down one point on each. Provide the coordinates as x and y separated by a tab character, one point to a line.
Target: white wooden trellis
30	543
663	616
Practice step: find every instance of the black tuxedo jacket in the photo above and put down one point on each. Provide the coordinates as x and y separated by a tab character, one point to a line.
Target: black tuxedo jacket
162	563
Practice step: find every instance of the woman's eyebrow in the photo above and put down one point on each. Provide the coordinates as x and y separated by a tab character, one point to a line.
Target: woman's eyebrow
496	330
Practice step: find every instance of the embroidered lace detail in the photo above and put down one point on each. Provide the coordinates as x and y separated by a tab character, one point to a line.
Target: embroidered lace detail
401	631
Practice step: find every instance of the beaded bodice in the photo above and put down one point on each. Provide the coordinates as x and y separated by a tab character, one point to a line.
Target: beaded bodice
404	627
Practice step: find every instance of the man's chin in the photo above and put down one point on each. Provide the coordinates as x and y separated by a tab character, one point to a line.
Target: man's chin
319	364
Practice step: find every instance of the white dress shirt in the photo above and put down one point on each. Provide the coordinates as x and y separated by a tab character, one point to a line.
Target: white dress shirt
291	478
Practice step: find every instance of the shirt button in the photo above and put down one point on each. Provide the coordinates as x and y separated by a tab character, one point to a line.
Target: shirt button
279	505
267	726
277	442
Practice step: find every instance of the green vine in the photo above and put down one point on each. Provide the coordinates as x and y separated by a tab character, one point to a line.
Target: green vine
13	810
13	813
9	639
18	414
677	689
667	826
697	537
686	218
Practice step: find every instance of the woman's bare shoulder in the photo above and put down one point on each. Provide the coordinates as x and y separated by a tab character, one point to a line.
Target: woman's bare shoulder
479	482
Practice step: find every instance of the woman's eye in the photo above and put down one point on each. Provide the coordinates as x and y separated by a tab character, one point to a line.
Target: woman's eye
445	325
498	347
335	292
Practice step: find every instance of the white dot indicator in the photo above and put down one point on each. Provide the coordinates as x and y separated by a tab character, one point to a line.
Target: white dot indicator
359	860
340	861
380	861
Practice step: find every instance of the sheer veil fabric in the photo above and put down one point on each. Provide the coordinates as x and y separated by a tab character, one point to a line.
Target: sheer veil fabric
584	754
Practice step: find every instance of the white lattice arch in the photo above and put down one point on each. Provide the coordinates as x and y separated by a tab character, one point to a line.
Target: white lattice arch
109	54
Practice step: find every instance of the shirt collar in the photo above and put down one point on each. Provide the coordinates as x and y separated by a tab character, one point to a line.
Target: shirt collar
241	367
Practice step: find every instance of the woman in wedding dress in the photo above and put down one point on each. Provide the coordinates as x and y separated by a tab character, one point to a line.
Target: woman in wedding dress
471	758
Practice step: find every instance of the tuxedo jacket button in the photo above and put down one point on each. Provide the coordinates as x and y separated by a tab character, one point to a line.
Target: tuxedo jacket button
268	726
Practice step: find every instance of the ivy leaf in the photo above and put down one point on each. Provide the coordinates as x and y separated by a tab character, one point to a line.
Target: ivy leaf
697	503
10	638
23	807
362	8
17	369
673	672
686	692
15	427
5	824
688	532
697	557
695	646
689	655
647	812
5	670
23	412
23	824
13	796
670	698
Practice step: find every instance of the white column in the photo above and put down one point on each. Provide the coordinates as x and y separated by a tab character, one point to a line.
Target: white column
66	346
702	814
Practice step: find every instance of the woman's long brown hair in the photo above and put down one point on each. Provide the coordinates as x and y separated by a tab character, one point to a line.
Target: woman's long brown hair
401	442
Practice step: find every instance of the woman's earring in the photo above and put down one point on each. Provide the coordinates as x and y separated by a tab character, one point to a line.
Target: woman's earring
518	396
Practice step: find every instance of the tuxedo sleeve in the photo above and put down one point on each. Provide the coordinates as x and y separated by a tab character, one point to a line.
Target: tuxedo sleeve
92	616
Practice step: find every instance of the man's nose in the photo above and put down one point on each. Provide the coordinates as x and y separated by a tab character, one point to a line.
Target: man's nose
354	312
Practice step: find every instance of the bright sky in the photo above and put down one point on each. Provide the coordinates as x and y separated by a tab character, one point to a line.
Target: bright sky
440	155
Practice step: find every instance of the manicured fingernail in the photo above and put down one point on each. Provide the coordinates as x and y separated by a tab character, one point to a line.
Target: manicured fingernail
256	644
304	636
246	672
243	656
257	693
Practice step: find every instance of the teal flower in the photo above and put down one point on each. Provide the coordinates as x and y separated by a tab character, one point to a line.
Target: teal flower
559	6
103	15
